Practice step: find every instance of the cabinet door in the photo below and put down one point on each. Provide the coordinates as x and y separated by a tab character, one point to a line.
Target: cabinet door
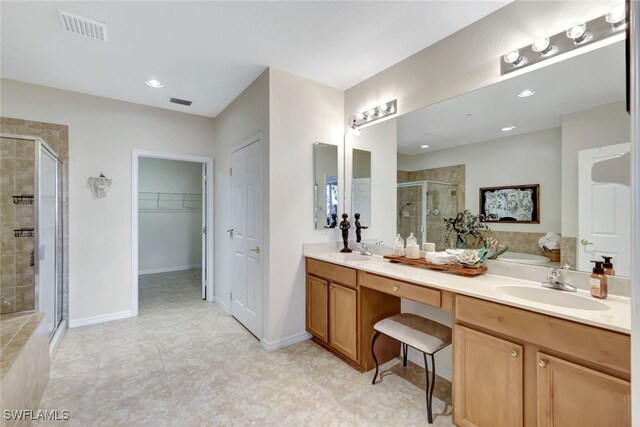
342	320
487	380
317	307
572	395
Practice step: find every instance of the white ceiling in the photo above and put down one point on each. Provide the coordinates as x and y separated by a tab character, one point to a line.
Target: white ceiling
585	81
208	52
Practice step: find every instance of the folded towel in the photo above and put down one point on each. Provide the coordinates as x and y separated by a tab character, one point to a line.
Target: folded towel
440	257
551	240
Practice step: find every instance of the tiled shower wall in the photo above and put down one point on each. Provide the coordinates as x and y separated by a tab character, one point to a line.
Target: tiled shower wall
17	274
57	137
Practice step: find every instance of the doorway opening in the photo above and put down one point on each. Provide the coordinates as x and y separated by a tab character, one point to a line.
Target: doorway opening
172	250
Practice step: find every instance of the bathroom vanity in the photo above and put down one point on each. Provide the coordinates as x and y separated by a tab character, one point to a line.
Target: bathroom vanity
521	357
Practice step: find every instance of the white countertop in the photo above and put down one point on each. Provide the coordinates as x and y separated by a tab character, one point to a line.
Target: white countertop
613	313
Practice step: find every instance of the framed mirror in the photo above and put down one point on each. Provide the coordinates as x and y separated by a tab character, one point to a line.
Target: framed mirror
361	185
556	138
325	185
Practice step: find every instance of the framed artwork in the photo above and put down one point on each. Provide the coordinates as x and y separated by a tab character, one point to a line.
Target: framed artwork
513	203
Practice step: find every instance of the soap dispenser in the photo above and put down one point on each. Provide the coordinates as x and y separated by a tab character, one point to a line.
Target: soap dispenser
598	281
413	250
608	266
398	246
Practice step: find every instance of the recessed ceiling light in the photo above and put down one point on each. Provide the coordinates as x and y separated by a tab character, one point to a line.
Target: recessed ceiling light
508	128
153	83
526	92
424	146
433	131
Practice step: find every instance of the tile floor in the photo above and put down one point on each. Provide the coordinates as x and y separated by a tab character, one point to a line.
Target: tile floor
184	362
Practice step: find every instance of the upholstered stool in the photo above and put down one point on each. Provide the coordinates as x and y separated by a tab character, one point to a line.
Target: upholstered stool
415	331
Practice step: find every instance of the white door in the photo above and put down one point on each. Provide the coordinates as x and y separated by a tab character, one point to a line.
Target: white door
246	214
205	249
604	226
361	197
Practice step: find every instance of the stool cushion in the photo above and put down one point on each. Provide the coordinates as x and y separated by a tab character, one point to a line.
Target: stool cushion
416	331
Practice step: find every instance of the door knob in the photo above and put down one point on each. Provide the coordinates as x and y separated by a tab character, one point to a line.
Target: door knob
585	242
514	353
256	249
542	363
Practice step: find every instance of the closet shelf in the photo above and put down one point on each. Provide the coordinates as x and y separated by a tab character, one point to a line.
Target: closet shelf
155	201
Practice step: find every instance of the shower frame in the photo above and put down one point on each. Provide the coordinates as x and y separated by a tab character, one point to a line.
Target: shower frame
58	288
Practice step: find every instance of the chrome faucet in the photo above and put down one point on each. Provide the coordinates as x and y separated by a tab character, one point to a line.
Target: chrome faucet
556	281
364	250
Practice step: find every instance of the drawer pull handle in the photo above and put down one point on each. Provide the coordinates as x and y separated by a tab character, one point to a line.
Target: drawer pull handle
542	363
514	353
395	288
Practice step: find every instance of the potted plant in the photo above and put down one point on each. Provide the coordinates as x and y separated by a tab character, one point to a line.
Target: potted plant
464	224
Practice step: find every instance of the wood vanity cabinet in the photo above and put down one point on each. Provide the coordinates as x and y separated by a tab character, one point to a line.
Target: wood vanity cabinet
513	367
332	307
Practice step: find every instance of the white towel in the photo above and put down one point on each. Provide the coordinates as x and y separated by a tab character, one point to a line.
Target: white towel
440	257
551	240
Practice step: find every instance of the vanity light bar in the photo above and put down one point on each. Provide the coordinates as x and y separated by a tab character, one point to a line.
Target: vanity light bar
578	35
373	114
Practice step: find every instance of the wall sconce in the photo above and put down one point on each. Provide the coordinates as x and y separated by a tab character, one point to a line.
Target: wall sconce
578	35
372	115
100	186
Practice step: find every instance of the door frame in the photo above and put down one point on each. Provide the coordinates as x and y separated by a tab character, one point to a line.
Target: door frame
135	159
256	138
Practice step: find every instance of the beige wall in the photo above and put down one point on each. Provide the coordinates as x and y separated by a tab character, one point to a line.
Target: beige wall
468	59
102	135
596	127
245	117
302	112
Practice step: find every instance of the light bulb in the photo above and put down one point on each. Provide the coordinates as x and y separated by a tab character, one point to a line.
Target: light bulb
513	58
359	116
371	112
383	107
578	33
616	16
424	146
542	45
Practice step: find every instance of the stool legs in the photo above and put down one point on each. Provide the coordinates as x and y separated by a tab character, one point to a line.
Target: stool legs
373	353
429	387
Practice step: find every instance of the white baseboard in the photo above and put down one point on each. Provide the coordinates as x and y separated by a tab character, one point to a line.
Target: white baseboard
222	304
284	342
85	321
169	269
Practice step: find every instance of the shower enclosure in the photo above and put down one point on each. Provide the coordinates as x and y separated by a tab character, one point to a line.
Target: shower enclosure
31	230
422	205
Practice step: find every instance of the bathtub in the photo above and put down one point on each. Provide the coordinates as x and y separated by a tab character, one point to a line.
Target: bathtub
24	363
522	258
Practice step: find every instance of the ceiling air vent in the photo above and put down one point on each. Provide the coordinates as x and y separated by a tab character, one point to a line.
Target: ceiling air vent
180	101
83	26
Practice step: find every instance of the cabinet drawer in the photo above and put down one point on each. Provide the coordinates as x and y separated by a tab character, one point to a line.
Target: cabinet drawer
588	343
404	290
335	273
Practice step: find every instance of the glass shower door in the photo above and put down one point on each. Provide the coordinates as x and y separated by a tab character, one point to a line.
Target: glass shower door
47	220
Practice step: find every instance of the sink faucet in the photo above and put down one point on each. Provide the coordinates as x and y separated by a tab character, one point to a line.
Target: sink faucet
364	250
556	281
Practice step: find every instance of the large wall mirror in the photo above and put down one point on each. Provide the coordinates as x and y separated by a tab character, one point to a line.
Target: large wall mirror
361	186
547	146
325	185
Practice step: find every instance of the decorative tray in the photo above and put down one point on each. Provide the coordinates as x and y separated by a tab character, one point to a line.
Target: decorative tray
449	268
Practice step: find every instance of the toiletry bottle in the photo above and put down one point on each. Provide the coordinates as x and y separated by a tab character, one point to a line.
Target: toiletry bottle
598	281
413	250
398	246
608	266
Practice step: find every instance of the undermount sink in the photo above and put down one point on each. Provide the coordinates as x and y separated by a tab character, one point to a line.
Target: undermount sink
349	257
553	297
